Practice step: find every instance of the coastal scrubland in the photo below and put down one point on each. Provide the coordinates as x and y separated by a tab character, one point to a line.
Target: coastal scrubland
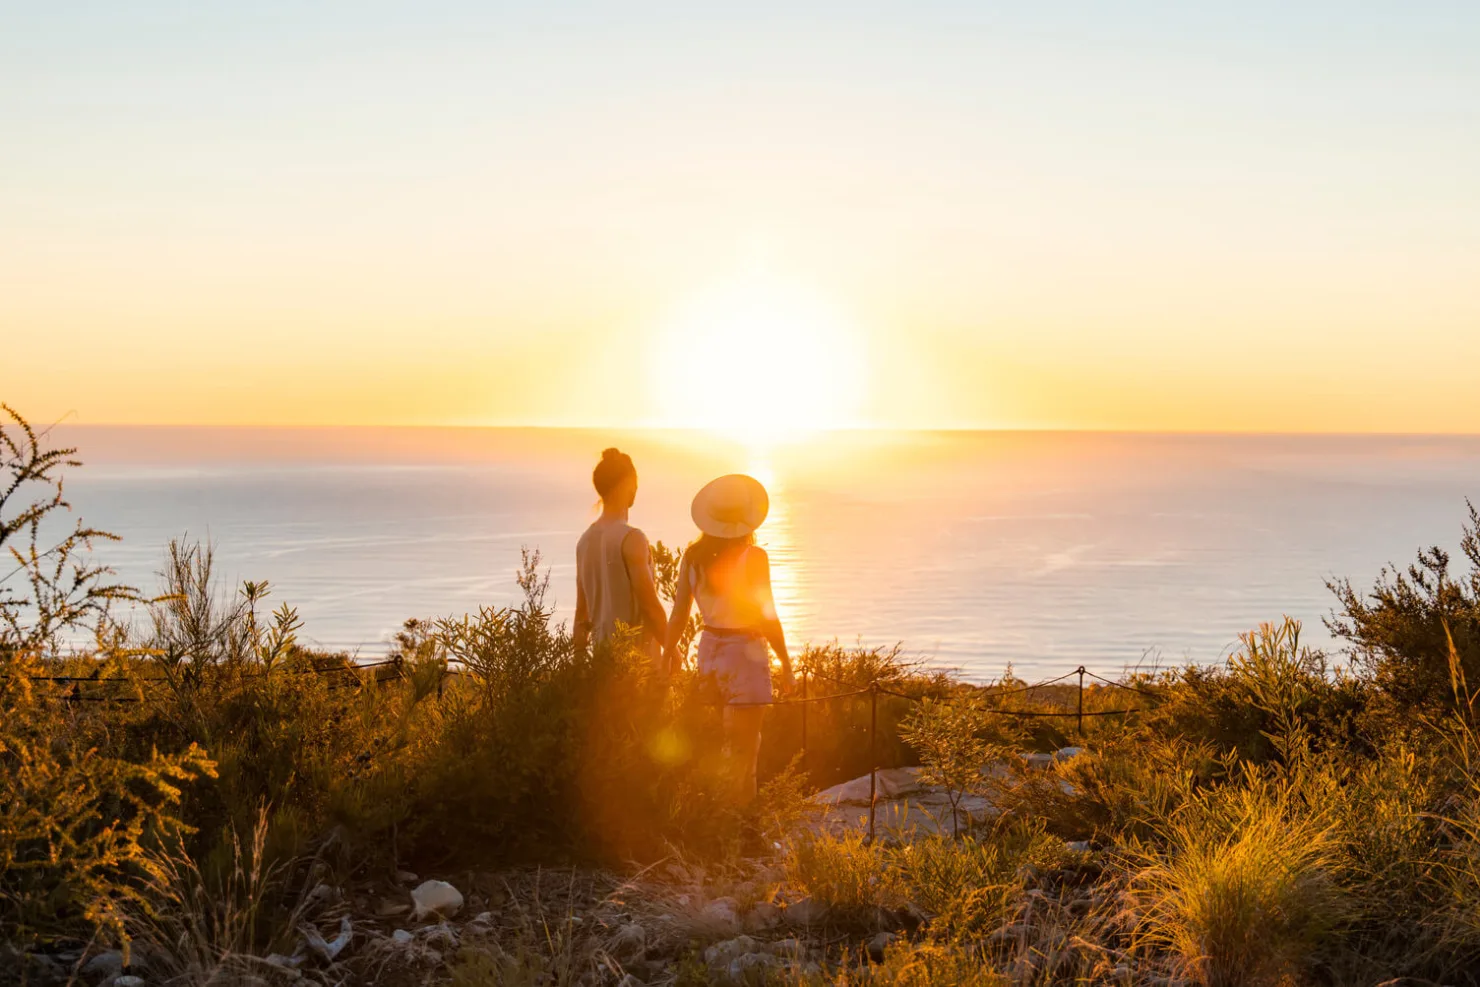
195	797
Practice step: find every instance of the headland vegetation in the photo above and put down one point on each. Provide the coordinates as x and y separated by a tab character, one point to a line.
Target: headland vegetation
195	797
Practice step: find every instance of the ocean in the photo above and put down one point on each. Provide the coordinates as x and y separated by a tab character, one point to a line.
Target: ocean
975	551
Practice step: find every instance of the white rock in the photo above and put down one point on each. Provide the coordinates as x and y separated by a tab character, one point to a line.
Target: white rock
889	783
406	876
436	898
322	894
286	962
401	936
483	918
1038	760
128	980
1067	753
1077	846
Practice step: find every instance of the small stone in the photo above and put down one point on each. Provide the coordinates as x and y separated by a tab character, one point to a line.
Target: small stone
808	911
1038	760
406	877
322	894
483	918
389	909
436	898
720	916
722	954
128	980
401	936
752	968
762	918
879	944
440	936
105	965
1067	754
630	941
285	962
1077	846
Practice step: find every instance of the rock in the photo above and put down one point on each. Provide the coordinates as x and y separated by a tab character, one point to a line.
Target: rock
483	918
440	936
721	917
329	951
128	980
762	918
722	954
808	911
284	962
406	877
104	966
321	894
752	968
436	898
1077	846
878	944
889	783
1066	754
1038	760
402	936
630	941
791	948
389	909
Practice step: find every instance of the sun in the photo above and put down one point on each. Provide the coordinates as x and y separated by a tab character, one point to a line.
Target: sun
759	358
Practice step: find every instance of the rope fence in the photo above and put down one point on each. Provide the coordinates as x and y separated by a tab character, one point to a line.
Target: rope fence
803	701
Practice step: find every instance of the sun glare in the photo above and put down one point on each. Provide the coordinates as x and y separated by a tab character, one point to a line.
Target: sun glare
759	359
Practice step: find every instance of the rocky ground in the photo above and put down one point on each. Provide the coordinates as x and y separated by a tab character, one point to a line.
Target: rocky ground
672	923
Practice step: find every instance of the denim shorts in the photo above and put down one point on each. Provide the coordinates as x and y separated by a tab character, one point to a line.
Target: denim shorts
741	662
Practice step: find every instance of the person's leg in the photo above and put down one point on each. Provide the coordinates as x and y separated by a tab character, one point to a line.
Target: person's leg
744	729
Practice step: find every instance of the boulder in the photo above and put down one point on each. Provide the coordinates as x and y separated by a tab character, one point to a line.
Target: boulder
436	898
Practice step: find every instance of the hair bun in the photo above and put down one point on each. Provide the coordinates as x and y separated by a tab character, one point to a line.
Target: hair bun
607	455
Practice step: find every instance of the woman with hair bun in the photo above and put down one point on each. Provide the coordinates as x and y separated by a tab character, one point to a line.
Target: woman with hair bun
614	568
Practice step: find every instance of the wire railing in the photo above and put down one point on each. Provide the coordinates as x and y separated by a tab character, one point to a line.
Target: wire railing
874	689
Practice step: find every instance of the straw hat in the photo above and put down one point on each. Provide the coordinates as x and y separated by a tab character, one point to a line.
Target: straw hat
730	507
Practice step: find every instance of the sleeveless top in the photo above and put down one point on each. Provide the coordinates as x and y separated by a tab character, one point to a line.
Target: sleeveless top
602	572
726	598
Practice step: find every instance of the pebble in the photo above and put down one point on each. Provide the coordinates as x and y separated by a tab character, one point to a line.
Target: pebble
436	898
878	944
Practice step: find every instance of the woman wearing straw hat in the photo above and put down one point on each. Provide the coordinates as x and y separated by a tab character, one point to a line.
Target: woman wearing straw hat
730	579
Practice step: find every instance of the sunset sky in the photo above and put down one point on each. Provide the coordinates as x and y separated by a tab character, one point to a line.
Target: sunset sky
1264	216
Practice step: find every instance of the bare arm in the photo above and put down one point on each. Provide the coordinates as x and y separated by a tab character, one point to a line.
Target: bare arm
760	574
581	632
639	571
683	602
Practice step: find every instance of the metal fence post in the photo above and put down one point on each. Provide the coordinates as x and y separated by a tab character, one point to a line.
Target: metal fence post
1080	715
804	719
873	754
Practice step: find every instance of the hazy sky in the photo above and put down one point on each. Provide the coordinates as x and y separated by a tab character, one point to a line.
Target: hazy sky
1106	215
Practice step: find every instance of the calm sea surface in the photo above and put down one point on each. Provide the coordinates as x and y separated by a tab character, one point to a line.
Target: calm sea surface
975	550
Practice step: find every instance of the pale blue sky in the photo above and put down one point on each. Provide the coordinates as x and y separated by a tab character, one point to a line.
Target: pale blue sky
1097	200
